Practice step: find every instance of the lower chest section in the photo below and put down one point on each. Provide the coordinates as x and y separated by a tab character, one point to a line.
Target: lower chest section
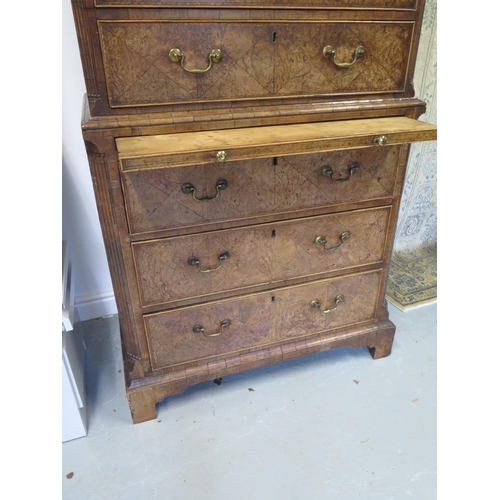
246	240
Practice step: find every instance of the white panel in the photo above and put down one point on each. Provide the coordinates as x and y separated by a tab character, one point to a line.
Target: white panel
73	355
73	417
74	410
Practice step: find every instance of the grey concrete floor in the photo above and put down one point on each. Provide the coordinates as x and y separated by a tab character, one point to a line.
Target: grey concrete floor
334	425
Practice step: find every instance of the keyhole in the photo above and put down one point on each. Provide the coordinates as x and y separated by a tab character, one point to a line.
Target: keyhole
275	36
273	233
275	160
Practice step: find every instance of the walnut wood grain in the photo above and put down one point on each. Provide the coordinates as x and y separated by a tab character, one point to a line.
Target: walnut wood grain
382	347
404	152
172	339
142	405
254	14
155	201
196	118
273	140
83	24
282	113
323	4
94	70
264	254
301	68
259	319
293	314
260	60
101	184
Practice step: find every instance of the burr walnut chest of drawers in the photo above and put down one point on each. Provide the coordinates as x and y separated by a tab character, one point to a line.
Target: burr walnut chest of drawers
248	158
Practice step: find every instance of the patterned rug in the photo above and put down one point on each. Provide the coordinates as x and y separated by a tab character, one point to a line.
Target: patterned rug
413	279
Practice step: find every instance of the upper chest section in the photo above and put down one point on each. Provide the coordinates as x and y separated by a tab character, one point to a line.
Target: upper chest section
153	55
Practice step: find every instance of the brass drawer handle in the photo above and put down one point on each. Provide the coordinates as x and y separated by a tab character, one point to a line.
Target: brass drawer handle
328	172
224	324
338	299
176	55
321	241
381	141
188	188
329	51
194	261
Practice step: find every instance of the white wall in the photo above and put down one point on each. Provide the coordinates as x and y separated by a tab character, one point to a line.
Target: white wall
80	224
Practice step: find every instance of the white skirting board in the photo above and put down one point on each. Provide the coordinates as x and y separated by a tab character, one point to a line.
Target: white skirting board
96	305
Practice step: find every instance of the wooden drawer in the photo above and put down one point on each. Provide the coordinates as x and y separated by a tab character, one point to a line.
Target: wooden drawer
155	199
178	268
259	60
277	4
179	336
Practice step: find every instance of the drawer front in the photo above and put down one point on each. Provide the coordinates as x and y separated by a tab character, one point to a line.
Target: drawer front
258	320
155	199
221	261
257	60
323	4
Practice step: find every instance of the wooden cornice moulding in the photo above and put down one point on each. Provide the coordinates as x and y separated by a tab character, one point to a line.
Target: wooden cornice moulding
240	116
349	5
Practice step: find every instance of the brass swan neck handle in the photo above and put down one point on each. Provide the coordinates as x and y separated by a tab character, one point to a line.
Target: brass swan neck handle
176	55
329	52
223	324
338	300
194	261
188	188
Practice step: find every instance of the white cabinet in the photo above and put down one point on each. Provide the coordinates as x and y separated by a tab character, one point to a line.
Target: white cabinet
74	411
